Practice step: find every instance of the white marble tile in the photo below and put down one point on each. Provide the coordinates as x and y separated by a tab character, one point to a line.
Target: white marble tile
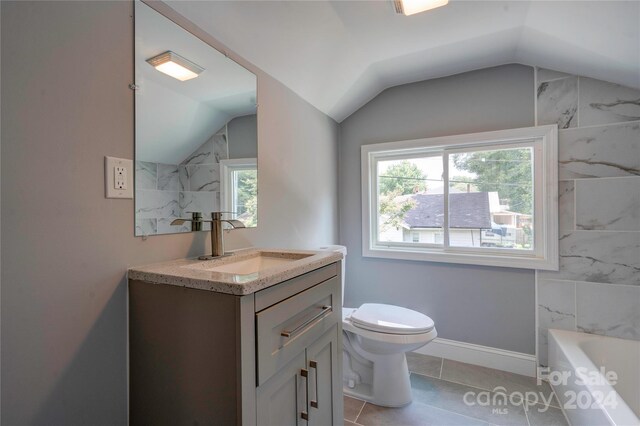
556	304
598	256
602	102
146	175
205	177
203	201
156	204
608	204
544	74
543	347
220	146
612	310
168	179
600	151
183	178
146	227
558	102
566	206
203	155
556	309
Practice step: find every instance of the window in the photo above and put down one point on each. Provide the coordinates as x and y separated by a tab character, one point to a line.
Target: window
239	189
484	199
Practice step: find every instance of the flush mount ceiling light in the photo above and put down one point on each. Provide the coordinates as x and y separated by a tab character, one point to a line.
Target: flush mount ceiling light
410	7
175	65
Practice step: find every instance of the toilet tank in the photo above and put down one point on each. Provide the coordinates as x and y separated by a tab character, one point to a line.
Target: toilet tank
343	250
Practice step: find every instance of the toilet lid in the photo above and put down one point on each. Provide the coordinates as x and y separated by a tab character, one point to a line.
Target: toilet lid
391	319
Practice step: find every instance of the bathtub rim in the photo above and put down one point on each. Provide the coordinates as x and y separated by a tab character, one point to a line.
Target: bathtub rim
568	342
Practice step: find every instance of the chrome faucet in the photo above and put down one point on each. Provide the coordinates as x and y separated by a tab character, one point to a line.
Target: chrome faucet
217	243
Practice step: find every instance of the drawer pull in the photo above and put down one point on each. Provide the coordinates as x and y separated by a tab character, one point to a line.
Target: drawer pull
324	311
305	373
314	365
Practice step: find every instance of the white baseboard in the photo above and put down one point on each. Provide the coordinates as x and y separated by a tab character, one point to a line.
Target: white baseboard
500	359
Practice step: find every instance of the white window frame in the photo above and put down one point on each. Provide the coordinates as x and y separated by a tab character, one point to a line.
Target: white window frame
227	184
543	139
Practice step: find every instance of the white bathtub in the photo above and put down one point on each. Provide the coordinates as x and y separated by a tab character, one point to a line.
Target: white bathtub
577	362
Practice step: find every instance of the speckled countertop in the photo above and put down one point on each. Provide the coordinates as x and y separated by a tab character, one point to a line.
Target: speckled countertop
194	273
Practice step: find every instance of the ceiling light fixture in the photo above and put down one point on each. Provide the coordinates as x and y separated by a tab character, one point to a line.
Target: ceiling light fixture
175	65
410	7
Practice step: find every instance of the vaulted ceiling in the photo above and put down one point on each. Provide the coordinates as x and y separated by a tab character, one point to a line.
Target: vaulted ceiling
338	55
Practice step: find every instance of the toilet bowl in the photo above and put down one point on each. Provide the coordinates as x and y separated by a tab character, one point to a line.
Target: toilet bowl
376	338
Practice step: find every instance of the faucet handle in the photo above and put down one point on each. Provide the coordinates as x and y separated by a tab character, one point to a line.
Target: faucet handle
235	223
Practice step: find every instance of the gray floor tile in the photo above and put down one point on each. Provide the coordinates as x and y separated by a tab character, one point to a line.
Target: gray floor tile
451	397
550	417
414	414
489	379
352	407
424	364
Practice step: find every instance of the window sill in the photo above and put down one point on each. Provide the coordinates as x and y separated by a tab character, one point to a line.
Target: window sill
438	255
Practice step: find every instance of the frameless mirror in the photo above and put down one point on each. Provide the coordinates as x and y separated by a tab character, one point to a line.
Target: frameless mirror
196	129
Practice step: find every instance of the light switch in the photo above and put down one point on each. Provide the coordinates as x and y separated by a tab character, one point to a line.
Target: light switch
118	177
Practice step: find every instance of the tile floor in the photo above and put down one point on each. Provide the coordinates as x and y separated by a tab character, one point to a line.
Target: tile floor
439	388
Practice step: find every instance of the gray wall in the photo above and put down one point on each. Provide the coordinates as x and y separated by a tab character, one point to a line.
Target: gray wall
241	134
65	248
482	305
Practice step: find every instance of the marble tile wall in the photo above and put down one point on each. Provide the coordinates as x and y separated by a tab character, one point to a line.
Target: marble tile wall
157	196
167	191
597	289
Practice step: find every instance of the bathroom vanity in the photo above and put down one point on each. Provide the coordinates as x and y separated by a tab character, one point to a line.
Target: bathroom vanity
252	338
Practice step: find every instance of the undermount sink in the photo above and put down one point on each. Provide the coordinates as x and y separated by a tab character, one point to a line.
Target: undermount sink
257	263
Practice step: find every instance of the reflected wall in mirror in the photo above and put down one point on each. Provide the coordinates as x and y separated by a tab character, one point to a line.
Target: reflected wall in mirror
196	129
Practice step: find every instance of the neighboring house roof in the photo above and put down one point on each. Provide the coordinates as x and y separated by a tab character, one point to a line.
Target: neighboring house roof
466	210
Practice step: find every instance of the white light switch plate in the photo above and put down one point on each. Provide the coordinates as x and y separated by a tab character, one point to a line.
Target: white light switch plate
118	177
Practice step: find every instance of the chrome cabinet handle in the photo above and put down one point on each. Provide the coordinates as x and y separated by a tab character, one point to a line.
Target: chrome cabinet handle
314	365
305	373
324	311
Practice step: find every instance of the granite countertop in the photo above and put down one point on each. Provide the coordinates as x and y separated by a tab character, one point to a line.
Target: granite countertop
195	273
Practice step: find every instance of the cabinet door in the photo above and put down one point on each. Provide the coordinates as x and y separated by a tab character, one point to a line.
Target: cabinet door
281	400
325	383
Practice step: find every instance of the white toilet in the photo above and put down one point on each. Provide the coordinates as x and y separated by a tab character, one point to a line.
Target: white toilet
375	340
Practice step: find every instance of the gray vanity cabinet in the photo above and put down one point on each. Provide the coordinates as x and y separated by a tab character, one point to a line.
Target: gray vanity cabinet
267	358
304	391
280	400
304	326
325	375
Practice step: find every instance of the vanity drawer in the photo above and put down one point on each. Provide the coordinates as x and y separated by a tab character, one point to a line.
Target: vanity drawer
287	328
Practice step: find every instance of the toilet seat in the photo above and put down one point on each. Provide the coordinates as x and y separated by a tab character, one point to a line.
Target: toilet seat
398	339
386	337
390	319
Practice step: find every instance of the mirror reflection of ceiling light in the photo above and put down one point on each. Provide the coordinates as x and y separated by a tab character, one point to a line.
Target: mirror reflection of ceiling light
175	65
410	7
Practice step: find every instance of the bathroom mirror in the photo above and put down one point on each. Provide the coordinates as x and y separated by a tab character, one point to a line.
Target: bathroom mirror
196	129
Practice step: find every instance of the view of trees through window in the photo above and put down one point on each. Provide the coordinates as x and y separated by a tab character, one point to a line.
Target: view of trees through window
490	199
246	196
